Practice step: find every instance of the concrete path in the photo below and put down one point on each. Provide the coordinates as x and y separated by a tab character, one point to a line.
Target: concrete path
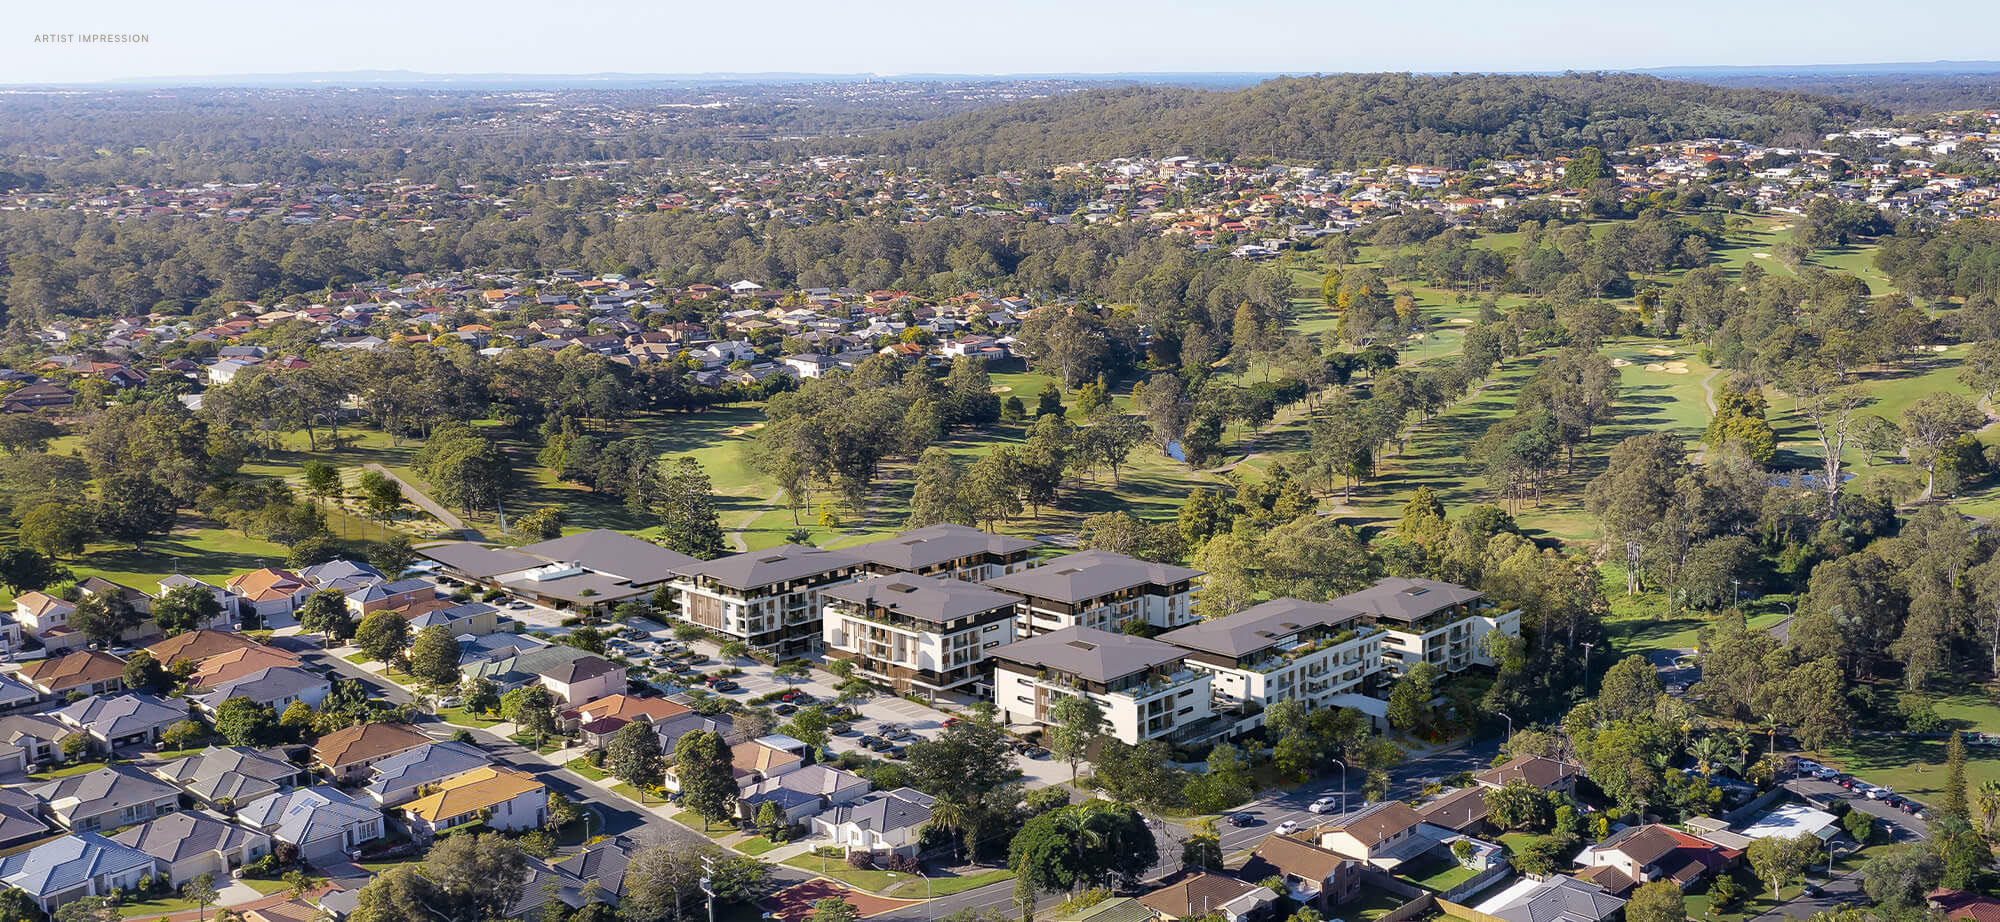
422	500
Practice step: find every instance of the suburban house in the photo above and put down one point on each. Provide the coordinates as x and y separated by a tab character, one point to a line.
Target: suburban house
365	600
269	593
46	618
342	575
917	634
122	720
1204	895
222	619
502	798
1433	622
1383	835
1655	852
1964	905
108	798
97	587
88	671
572	675
324	824
1313	876
346	755
771	599
587	571
38	737
1100	590
275	687
1540	772
194	843
947	551
622	709
1313	652
199	645
803	792
1551	899
1143	686
73	867
465	618
20	818
224	668
399	778
889	822
1463	811
224	777
15	695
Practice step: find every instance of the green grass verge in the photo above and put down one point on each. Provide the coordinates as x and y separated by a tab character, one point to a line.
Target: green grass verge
947	885
66	771
460	717
694	821
582	766
836	868
756	845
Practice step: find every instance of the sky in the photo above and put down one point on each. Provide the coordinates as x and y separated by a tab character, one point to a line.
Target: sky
215	37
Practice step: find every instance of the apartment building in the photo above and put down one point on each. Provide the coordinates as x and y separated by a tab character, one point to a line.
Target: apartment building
770	599
1100	590
948	551
1145	687
918	633
1282	649
1429	621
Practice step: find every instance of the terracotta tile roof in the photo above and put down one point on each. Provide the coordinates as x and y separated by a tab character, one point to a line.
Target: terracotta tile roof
197	646
1457	810
474	790
364	742
235	664
39	603
1197	894
1961	904
627	707
266	585
77	669
1611	879
1299	858
1373	824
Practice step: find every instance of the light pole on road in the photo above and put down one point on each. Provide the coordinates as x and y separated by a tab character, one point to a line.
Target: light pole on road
1343	784
1510	724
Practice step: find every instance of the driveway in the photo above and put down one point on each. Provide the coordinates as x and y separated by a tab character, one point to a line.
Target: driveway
422	500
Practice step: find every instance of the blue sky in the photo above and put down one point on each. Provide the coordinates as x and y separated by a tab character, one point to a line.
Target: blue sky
1013	36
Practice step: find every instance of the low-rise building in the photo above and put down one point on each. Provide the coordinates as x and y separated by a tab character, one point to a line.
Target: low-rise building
122	720
917	633
1540	772
109	798
323	823
193	843
89	672
1433	622
588	571
887	823
1144	687
224	777
771	599
1383	835
1283	649
346	755
948	551
501	798
1100	590
402	777
1551	899
73	867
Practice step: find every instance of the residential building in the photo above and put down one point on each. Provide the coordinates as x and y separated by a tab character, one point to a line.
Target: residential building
198	646
587	571
275	687
400	778
1433	622
917	633
572	675
502	798
365	600
88	671
1964	905
475	619
222	619
1540	772
224	777
73	867
20	818
803	792
1383	835
1144	687
108	798
346	755
948	551
37	736
1203	895
1551	899
323	823
1100	590
1284	649
890	822
227	667
194	843
771	599
1313	876
1463	811
342	575
46	619
272	595
1655	852
122	720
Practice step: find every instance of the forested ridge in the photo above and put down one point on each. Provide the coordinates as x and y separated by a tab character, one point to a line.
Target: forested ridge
1363	118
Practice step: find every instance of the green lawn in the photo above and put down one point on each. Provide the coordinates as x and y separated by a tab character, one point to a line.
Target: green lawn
460	717
196	549
947	884
358	659
1373	903
1756	902
548	745
836	868
77	769
1916	767
1439	875
154	908
582	766
694	821
1646	635
628	792
756	845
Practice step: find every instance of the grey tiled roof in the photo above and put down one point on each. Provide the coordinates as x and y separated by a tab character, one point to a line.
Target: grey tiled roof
266	684
237	773
182	835
1099	656
936	544
69	861
612	552
1088	575
1405	599
425	764
784	563
928	598
888	811
122	714
1560	899
1258	626
306	815
105	789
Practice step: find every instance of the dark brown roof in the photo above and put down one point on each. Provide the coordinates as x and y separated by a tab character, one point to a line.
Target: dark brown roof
197	646
364	742
1643	844
1458	810
1540	771
1196	894
1299	858
1373	824
1611	879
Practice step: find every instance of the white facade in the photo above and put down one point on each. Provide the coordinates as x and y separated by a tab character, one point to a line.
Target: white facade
1148	711
1452	646
901	657
1312	673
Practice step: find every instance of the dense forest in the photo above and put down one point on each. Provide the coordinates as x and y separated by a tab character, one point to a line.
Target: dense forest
1363	118
1900	93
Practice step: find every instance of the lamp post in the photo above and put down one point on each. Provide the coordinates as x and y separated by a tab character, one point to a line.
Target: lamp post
1343	784
1510	723
1587	645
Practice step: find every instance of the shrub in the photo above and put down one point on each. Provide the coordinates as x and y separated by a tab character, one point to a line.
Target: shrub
860	861
826	851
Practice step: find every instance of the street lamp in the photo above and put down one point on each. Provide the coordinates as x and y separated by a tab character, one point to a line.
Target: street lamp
1343	784
1587	645
1510	723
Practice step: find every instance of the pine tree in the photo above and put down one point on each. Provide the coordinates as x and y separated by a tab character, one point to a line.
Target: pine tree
689	522
1955	793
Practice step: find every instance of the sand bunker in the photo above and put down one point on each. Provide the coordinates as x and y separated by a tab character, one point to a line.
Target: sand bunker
1460	320
1940	348
1001	389
1658	350
1620	363
743	430
1656	367
1762	255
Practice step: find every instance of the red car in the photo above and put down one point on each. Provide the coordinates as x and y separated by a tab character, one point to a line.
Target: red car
951	721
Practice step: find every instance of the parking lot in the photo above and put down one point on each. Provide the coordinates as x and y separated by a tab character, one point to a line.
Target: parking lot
649	641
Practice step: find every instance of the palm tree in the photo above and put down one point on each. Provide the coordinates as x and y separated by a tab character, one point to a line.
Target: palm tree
1080	824
948	815
1989	802
1707	752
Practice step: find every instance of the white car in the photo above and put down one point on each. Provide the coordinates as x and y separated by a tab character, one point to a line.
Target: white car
1807	766
1826	774
1324	805
1288	827
1880	793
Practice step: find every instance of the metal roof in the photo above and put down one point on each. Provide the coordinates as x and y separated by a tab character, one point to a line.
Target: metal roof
1258	626
1089	575
1099	656
936	544
925	597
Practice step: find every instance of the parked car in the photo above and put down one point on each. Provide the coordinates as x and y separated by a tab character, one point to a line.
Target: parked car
1037	753
840	728
868	741
881	745
896	752
1242	819
951	721
786	710
1826	774
1324	805
724	685
449	701
1880	793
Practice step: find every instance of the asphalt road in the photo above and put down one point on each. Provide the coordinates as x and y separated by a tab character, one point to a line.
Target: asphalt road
1405	781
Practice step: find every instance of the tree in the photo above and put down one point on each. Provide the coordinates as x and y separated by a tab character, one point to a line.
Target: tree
1779	861
707	779
21	435
1899	878
543	524
26	570
1933	422
809	726
201	892
1517	805
392	556
398	894
733	651
56	529
480	694
103	618
535	712
382	635
685	504
1658	901
475	877
1410	700
1088	843
634	755
184	608
834	909
136	508
1203	848
434	656
143	673
1074	723
937	495
243	722
88	909
382	494
15	904
1955	802
968	762
1629	689
325	612
322	479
